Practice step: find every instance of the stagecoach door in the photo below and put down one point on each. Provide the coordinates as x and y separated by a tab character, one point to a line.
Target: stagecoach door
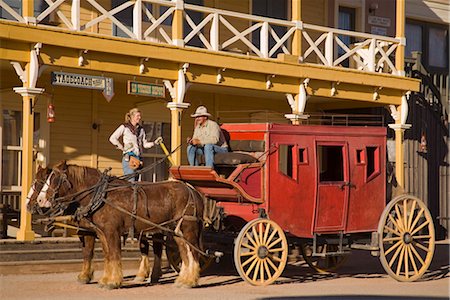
332	186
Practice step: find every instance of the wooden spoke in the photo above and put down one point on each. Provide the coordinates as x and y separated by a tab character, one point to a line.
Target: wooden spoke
406	256
249	260
392	230
413	261
420	227
393	247
417	244
267	257
417	254
411	214
392	239
394	257
419	215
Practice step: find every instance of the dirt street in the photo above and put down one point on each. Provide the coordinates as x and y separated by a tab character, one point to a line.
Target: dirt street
361	277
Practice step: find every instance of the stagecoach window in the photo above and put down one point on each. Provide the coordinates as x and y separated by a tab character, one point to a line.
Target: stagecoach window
373	161
302	157
285	160
330	163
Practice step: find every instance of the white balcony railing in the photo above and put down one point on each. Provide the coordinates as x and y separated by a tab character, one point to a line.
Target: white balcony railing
219	30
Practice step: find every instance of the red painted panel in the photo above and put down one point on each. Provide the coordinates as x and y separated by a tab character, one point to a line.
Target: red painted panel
251	181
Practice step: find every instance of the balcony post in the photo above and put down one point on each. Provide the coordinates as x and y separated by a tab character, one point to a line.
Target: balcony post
29	92
371	56
264	40
137	19
75	15
177	24
297	18
214	34
28	11
400	34
329	52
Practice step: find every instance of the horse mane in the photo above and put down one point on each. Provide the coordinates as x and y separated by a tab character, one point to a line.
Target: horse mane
78	173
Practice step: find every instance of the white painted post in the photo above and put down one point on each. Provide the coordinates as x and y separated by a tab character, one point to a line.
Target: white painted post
137	19
371	56
214	33
329	52
75	15
264	40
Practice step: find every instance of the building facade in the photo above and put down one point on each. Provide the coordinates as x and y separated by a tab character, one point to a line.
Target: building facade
71	69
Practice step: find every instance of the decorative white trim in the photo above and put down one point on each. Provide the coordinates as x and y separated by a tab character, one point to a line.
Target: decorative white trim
296	117
28	92
20	72
176	105
400	126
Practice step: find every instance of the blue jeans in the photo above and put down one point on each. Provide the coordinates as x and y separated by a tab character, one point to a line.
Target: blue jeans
207	150
127	170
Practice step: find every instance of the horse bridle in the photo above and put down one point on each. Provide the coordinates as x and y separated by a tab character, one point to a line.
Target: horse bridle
62	179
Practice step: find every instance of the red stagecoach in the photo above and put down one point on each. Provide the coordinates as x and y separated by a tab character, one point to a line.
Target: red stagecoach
318	189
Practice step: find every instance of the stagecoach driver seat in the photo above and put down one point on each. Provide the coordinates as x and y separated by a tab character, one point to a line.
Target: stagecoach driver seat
207	139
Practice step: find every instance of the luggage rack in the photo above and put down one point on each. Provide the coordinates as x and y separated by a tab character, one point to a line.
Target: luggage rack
333	119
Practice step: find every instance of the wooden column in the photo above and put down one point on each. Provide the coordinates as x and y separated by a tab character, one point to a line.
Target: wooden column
177	24
297	17
400	34
25	232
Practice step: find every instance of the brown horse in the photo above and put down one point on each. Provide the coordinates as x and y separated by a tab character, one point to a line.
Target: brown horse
111	211
88	239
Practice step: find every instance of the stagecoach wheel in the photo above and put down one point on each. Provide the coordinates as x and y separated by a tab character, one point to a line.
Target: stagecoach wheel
174	258
406	238
260	252
322	264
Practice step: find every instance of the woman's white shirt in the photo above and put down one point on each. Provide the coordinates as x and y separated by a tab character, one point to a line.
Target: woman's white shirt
130	142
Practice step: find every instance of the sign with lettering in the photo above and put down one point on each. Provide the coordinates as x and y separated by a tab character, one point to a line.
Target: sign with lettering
378	30
146	89
379	21
106	84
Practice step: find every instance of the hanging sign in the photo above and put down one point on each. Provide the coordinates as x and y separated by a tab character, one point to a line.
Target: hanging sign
106	84
379	21
146	89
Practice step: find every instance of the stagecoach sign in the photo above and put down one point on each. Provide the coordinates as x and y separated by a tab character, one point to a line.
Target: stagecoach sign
105	84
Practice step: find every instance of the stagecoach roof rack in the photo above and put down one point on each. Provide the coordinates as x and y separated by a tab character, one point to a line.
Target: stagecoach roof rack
331	119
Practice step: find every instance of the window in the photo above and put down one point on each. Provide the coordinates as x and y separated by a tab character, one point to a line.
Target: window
12	147
413	38
302	156
373	162
15	5
437	56
331	163
285	160
360	156
276	9
430	39
346	22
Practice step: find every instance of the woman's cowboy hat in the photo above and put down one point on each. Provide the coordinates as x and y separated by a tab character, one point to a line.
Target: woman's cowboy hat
201	111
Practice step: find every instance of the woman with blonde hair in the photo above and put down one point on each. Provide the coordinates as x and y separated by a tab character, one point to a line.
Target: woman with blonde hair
133	141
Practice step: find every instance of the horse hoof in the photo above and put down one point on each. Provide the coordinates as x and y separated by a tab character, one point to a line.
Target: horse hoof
112	286
84	280
154	280
139	279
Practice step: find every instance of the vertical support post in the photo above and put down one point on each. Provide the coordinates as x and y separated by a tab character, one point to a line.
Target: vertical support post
297	18
214	34
264	40
137	19
329	52
400	34
371	56
399	128
28	11
25	232
177	24
75	15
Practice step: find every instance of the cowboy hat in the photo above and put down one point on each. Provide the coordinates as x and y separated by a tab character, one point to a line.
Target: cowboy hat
201	111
